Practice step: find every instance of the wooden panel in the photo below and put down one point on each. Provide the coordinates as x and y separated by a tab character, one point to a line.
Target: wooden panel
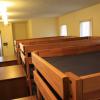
93	95
70	50
55	78
91	48
91	82
75	86
25	41
43	88
80	43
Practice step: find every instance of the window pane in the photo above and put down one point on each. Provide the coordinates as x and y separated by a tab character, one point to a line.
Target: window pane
63	30
85	28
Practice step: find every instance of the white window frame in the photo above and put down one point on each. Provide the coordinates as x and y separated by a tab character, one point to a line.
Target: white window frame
90	28
63	30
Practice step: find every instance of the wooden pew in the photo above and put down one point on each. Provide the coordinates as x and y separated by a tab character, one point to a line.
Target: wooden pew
13	82
30	41
25	41
43	40
26	60
81	87
26	49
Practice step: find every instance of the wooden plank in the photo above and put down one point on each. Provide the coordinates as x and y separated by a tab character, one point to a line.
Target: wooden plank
25	41
91	82
75	85
52	75
80	43
43	88
70	50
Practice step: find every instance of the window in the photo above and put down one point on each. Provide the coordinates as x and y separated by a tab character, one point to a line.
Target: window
63	30
85	28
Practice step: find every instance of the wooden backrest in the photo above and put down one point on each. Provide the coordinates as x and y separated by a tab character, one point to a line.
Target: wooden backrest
29	48
34	40
68	50
25	41
52	40
47	40
51	82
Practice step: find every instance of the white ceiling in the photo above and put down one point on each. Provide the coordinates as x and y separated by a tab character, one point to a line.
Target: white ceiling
25	9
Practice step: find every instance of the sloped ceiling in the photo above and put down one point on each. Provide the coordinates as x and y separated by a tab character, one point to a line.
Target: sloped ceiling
25	9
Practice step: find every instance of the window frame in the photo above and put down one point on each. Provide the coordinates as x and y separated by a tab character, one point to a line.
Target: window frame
91	26
66	30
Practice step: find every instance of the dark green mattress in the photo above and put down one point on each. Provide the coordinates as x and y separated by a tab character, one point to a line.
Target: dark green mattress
82	64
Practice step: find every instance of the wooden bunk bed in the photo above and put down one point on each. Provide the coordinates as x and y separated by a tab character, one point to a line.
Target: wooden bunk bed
79	64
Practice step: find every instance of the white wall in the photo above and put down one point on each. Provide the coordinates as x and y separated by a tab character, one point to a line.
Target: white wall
42	27
20	30
7	36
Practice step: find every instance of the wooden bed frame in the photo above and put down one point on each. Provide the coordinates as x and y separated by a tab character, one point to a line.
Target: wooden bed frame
85	87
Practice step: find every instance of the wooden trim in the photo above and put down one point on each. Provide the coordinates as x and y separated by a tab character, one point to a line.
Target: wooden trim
76	90
43	88
54	77
91	82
